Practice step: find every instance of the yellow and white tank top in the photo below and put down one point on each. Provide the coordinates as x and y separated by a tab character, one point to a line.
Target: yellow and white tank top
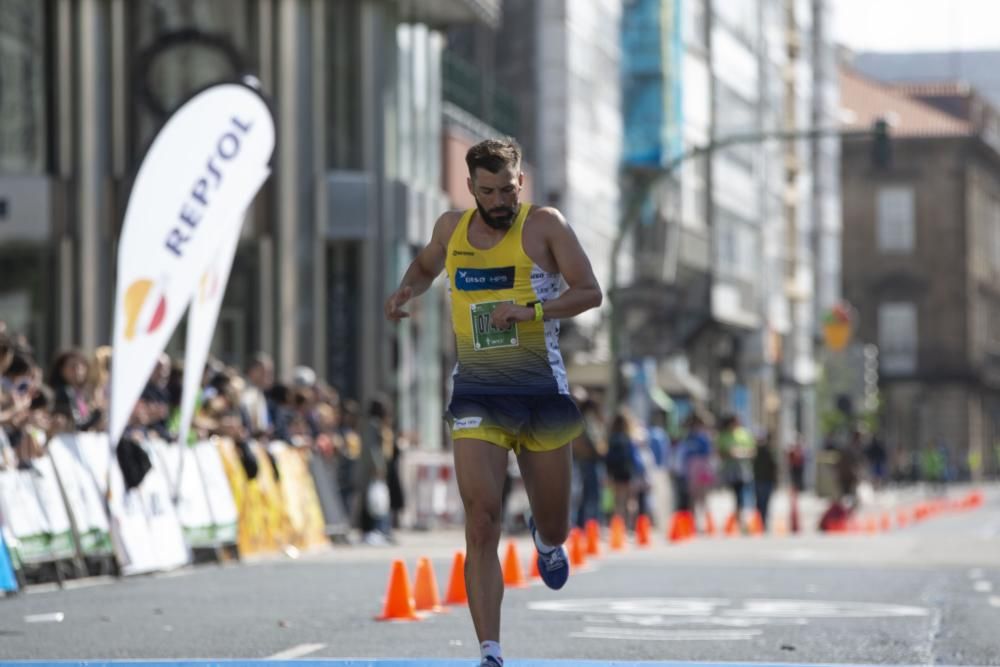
522	360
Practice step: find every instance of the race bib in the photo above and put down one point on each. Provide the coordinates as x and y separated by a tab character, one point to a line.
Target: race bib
486	336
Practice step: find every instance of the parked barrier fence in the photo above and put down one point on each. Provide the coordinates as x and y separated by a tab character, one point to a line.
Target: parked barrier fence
71	509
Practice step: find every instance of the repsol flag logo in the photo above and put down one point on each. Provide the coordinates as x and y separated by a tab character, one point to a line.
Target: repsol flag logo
198	177
471	280
144	309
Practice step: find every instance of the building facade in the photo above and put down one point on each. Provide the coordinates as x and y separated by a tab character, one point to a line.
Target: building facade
736	257
356	87
921	259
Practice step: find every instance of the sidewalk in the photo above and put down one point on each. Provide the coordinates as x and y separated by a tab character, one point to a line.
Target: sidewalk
443	542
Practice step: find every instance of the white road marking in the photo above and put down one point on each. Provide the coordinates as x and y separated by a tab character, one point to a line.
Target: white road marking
711	607
708	619
640	634
171	574
995	601
296	652
72	584
54	617
982	586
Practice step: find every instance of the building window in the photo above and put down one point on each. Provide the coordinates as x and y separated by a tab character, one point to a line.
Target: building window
694	24
897	337
993	235
182	67
345	89
22	87
736	251
895	219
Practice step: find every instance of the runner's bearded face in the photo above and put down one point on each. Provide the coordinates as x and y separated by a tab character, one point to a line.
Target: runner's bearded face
497	196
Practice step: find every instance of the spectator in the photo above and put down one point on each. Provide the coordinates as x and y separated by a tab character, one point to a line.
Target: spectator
393	445
6	353
737	449
303	376
18	389
260	376
620	462
659	440
699	467
372	472
797	464
765	476
156	394
878	459
329	441
588	451
347	459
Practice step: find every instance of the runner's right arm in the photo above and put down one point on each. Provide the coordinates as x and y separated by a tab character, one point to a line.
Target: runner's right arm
424	268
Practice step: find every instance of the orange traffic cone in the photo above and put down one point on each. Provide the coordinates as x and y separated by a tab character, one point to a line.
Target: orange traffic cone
755	525
902	518
732	525
642	529
974	499
426	596
593	538
577	551
886	525
456	586
533	572
398	600
709	523
617	539
513	576
681	526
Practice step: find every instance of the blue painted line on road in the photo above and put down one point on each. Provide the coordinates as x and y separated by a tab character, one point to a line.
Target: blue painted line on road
418	662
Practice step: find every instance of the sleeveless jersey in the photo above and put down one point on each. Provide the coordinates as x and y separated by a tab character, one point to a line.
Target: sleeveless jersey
521	360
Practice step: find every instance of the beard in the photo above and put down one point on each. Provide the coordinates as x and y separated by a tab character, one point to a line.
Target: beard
500	219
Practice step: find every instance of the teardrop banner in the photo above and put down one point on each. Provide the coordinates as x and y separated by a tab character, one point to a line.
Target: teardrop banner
200	174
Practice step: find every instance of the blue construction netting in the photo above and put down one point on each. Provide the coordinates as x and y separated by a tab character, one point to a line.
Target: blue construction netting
652	67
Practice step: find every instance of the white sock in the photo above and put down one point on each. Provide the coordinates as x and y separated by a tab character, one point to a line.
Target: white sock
542	547
491	650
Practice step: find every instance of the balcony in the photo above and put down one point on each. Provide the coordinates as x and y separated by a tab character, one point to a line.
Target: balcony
438	13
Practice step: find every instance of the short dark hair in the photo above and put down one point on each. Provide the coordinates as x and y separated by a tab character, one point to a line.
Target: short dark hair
55	372
380	406
493	155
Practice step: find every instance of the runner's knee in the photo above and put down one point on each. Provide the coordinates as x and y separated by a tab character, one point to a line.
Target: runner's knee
482	527
553	532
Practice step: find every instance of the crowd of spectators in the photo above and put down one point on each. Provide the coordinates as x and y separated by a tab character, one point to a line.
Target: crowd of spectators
72	395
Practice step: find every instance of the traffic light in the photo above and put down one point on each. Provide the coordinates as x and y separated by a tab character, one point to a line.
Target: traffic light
881	144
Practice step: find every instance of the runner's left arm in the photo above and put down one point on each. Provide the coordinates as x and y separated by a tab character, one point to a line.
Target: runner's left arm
584	292
572	262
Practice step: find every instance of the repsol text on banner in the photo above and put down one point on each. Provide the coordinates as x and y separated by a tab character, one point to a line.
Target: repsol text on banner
226	148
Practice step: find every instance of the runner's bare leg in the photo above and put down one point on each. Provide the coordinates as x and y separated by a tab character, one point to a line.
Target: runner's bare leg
547	477
480	468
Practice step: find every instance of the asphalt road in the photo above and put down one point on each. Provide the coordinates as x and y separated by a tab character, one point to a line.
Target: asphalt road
923	595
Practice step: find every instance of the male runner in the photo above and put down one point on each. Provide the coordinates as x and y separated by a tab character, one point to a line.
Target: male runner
506	261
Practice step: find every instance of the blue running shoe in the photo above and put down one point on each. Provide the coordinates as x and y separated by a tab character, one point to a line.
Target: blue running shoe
553	566
490	661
